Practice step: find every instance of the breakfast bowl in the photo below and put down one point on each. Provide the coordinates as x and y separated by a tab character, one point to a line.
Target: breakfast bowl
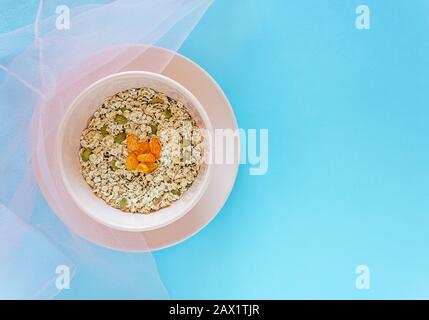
74	157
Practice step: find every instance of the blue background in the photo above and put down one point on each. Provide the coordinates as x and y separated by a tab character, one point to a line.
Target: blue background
347	184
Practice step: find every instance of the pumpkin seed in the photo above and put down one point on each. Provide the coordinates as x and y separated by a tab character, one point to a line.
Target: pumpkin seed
103	131
156	100
154	128
113	165
86	153
167	114
120	119
123	203
120	137
176	192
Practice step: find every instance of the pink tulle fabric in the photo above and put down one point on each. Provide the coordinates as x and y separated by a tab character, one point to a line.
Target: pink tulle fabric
42	69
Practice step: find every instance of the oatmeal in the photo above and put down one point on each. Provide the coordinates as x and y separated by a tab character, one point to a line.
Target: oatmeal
140	151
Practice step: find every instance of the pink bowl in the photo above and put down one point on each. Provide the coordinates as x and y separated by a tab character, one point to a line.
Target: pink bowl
68	146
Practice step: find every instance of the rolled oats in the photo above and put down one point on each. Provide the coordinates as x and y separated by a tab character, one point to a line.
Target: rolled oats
140	112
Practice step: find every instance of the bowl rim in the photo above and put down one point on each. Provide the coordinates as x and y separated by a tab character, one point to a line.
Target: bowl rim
59	152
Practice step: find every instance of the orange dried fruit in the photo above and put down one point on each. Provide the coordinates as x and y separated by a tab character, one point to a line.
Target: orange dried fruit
143	167
146	157
142	154
131	163
152	166
132	142
143	148
155	147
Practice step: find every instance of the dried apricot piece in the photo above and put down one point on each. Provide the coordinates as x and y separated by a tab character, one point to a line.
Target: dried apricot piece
155	147
143	147
143	167
132	142
131	163
146	157
152	166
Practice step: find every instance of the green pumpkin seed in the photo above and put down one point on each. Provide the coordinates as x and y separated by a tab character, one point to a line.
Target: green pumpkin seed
176	192
156	100
120	137
154	128
167	114
113	165
123	203
120	119
103	131
86	153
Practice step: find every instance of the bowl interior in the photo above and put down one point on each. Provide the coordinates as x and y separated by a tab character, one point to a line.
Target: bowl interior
76	119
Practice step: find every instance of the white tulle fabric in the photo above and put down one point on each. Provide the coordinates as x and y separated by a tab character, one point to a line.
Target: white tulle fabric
36	63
